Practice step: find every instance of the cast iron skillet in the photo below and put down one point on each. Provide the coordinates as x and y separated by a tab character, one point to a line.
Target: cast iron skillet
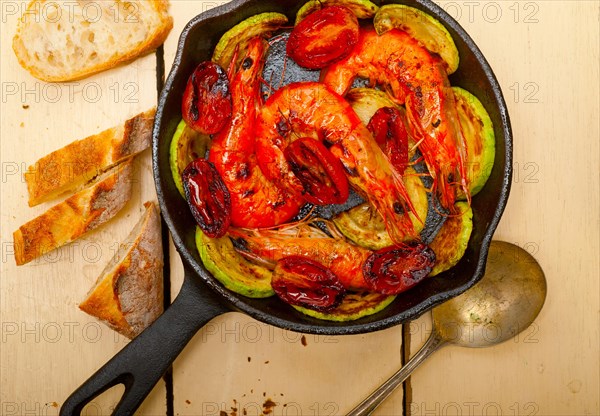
144	360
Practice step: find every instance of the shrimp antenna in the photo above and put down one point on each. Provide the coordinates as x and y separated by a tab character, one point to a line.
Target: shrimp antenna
269	84
285	60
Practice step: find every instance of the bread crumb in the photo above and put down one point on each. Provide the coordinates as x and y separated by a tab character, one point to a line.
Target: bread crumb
268	406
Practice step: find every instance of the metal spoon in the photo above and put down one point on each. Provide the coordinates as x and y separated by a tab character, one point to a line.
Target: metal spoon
502	304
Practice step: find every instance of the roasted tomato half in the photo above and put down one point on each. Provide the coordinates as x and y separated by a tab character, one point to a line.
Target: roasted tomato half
206	103
320	172
208	197
323	37
304	282
393	270
389	130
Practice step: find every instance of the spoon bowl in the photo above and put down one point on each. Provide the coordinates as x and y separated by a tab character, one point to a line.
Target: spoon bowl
502	304
505	302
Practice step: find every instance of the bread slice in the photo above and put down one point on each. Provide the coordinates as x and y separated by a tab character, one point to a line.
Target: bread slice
70	219
68	168
69	40
128	295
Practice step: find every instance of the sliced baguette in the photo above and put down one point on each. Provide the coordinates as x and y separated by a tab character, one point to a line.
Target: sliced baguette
64	41
70	219
128	295
68	168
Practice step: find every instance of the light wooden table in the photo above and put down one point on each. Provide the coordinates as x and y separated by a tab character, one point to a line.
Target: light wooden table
545	55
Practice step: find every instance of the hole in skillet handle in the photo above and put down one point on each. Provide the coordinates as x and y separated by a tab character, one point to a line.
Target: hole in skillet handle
146	358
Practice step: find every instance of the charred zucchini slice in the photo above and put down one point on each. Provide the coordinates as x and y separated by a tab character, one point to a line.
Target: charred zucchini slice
355	305
186	146
478	130
421	26
366	101
258	25
363	9
451	242
231	269
365	227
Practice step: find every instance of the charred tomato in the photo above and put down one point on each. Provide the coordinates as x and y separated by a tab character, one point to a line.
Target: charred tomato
323	37
206	105
389	130
208	197
393	270
305	282
320	172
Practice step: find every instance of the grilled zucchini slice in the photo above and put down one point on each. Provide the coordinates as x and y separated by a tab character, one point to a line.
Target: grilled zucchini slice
451	242
186	146
355	305
365	227
363	9
421	26
366	101
258	25
478	130
231	269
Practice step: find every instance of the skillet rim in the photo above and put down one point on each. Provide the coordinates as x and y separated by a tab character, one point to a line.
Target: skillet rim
194	269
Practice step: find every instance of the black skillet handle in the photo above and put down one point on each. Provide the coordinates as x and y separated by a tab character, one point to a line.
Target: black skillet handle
144	360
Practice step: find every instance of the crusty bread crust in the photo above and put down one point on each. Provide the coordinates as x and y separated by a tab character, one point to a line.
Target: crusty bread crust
79	162
128	295
70	219
153	40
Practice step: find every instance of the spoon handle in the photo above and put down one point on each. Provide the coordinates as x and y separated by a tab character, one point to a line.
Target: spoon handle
368	405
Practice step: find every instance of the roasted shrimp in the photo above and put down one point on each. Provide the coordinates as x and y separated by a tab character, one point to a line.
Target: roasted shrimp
310	109
389	271
418	79
255	200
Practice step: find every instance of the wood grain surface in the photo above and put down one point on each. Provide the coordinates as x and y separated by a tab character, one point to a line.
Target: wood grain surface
546	57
